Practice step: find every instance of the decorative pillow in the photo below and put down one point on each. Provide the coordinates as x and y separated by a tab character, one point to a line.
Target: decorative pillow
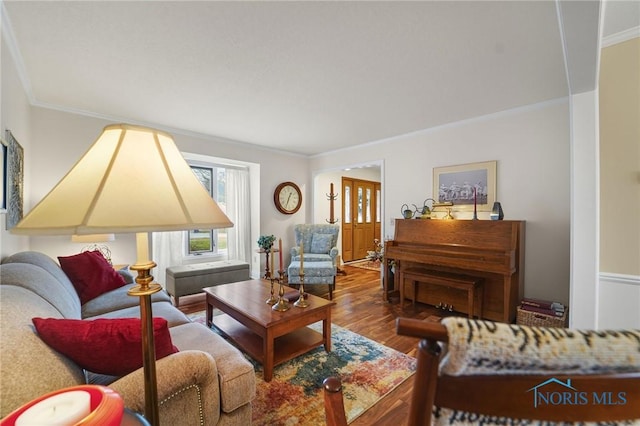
104	346
321	243
91	274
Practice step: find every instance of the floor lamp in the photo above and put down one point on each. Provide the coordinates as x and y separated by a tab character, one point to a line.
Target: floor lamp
131	180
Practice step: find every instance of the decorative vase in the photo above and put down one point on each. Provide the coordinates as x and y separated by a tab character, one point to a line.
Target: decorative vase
496	212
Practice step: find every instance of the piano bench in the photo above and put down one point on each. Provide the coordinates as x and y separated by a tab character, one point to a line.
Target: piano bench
457	281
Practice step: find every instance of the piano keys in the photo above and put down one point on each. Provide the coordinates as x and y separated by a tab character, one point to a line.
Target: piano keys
492	250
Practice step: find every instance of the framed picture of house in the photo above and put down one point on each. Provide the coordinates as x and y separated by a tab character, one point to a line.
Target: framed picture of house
466	185
3	176
15	180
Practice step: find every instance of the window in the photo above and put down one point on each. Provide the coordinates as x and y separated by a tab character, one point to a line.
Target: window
209	241
229	182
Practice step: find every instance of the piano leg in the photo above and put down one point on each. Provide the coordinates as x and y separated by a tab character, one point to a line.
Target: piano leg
507	300
471	294
481	299
401	285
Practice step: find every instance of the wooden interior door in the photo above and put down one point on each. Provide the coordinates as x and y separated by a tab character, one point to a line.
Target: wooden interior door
360	214
347	220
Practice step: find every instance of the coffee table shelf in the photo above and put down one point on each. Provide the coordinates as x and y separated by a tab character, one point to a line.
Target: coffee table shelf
286	347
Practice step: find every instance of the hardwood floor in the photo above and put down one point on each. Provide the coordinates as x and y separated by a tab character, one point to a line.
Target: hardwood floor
361	309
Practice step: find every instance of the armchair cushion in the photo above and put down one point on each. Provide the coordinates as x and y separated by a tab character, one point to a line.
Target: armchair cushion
91	274
104	346
321	243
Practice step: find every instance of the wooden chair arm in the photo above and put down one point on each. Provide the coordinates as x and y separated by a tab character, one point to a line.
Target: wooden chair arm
421	329
428	355
334	402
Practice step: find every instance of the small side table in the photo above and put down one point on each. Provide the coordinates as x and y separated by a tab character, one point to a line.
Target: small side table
267	272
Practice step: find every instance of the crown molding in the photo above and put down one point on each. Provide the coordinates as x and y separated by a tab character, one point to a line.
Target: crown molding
620	37
455	124
169	129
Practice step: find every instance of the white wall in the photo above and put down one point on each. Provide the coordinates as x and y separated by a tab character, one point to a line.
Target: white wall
15	115
618	301
531	146
584	211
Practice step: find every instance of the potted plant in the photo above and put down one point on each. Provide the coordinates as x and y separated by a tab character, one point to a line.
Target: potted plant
265	242
376	255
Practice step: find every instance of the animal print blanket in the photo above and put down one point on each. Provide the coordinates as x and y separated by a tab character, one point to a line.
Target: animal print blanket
478	347
485	347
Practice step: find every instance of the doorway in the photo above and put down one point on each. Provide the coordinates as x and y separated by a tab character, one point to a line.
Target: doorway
361	212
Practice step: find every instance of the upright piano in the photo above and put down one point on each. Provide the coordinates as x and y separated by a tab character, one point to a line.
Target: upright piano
492	250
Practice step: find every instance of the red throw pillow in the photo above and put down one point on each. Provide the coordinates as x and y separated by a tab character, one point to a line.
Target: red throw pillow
91	274
104	346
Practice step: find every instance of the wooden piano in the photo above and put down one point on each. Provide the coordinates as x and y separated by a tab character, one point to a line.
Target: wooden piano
491	250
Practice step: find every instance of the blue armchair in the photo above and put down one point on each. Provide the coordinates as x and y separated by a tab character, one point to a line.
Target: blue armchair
318	241
320	252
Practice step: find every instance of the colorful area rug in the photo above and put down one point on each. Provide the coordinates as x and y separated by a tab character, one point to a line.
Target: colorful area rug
368	371
365	264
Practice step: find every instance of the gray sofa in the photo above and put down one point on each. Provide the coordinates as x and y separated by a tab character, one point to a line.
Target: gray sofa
208	382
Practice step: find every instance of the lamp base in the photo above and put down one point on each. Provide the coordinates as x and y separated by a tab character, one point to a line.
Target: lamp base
144	289
144	280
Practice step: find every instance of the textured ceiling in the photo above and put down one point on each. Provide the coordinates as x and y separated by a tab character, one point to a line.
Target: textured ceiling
303	77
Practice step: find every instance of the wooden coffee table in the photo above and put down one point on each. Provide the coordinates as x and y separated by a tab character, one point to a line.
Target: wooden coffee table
268	336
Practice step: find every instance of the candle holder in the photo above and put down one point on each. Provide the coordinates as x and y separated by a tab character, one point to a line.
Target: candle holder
281	305
301	302
104	405
272	300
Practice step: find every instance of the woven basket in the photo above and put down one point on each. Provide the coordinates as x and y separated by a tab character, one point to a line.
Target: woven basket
536	319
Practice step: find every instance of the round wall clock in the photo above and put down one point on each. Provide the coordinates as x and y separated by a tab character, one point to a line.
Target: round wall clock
287	197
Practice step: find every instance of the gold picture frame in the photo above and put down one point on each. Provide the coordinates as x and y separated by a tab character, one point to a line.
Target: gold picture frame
466	185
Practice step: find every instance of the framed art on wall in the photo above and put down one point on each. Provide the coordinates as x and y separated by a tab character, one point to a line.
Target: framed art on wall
15	180
3	175
466	185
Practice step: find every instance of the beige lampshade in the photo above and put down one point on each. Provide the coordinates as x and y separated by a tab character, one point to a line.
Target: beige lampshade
132	179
